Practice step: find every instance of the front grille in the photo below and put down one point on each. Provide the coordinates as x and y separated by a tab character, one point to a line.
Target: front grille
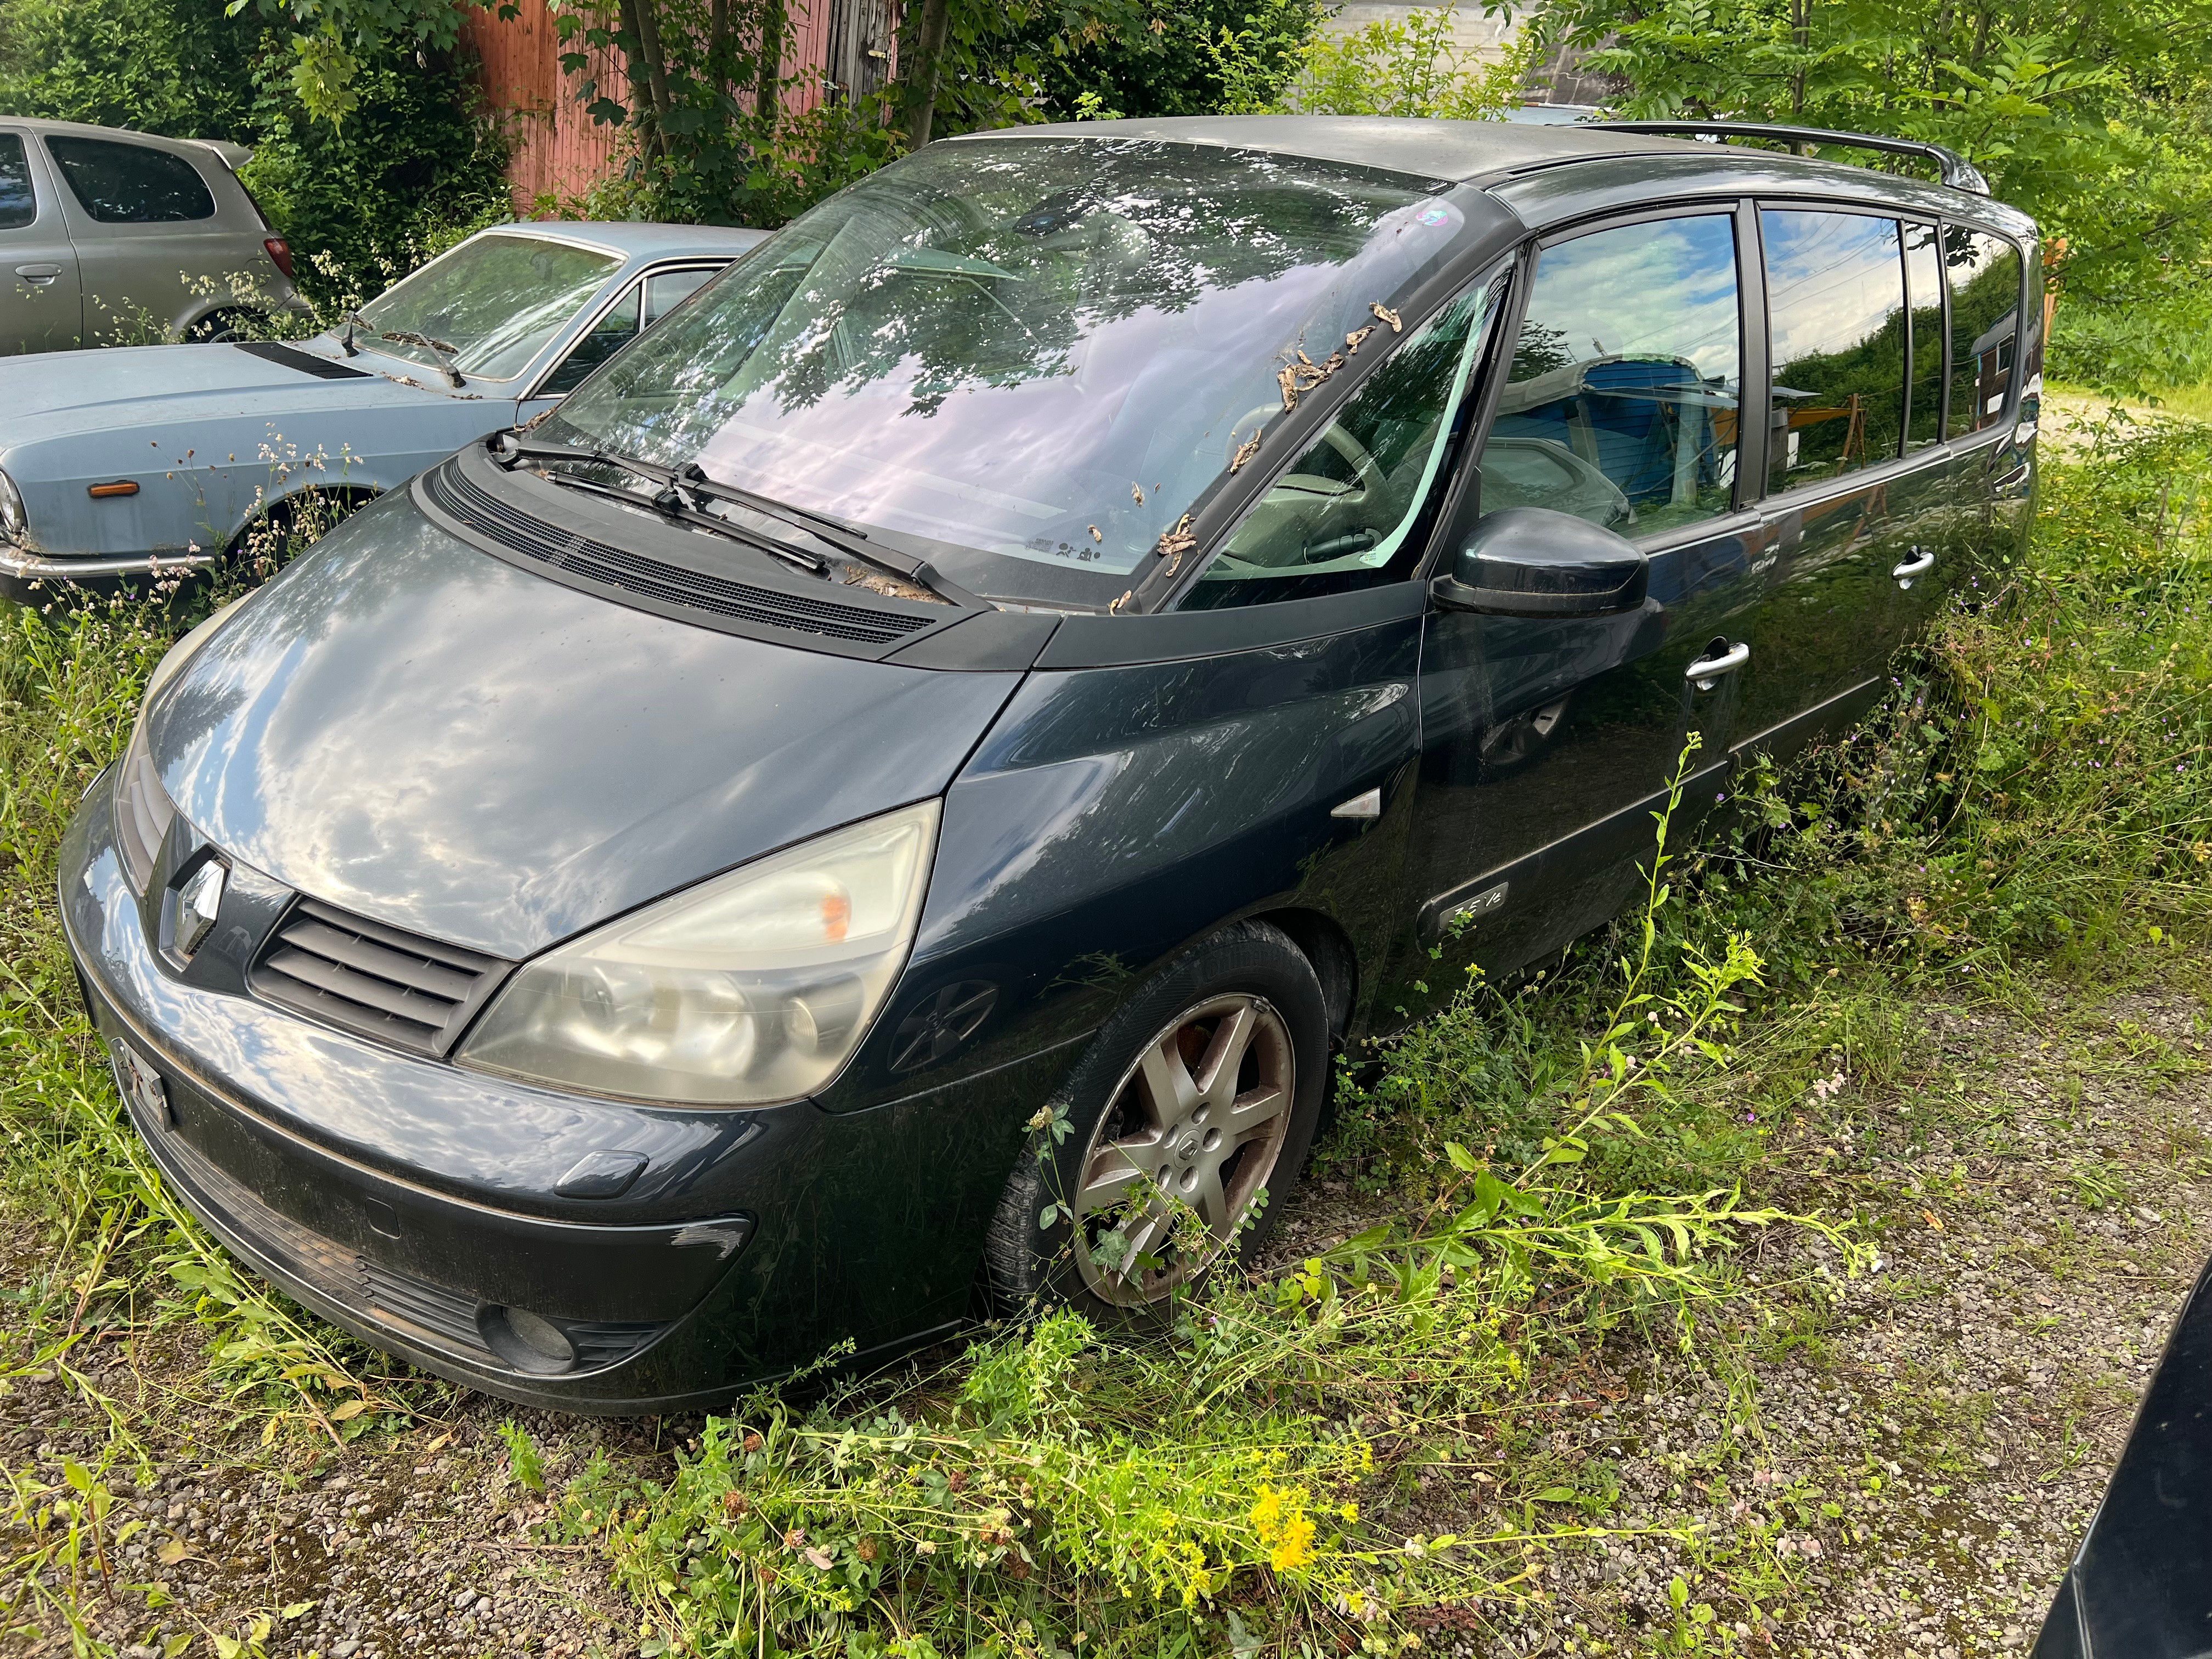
143	813
363	976
431	1314
460	497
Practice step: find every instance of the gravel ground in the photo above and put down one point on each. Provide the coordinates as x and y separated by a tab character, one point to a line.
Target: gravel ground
1901	1472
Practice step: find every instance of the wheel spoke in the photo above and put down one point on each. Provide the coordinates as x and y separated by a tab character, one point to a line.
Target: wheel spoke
1210	1202
1253	1111
1165	1084
1225	1055
1142	1232
1107	1178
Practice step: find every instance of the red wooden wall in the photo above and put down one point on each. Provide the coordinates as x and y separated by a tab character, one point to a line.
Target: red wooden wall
560	151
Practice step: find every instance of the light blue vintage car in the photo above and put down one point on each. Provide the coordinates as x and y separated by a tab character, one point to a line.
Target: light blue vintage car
159	459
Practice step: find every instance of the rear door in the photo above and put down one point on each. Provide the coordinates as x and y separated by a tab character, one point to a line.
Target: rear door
1548	744
148	235
42	298
1845	499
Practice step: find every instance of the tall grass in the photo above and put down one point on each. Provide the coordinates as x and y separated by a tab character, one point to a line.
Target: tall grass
1543	1171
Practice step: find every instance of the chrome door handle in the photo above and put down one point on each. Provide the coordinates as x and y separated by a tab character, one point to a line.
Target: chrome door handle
1922	561
38	273
1706	672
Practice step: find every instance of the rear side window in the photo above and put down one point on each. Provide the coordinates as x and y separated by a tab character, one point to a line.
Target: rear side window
1835	303
1620	405
19	205
666	290
1924	282
130	183
614	331
1985	275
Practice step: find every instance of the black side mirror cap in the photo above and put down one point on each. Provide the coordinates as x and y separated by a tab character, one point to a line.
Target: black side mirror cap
1533	562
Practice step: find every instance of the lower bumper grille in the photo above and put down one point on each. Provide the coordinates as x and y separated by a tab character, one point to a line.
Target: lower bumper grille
431	1315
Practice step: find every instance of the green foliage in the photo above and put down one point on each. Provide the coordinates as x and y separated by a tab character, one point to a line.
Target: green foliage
2095	119
523	1460
1407	66
1174	60
410	171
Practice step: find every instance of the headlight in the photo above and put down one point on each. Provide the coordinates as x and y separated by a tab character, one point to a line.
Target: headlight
14	524
754	987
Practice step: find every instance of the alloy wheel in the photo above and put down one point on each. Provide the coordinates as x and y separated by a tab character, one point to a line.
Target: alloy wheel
1190	1133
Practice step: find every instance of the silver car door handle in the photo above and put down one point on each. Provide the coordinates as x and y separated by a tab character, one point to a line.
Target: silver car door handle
1922	561
38	273
1706	672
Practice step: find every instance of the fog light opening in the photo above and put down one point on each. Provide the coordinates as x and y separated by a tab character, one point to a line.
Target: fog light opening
525	1340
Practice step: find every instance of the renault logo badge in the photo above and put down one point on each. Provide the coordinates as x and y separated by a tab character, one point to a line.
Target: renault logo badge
199	901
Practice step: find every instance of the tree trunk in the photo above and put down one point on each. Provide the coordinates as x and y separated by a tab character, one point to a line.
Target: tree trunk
921	74
643	23
718	47
768	85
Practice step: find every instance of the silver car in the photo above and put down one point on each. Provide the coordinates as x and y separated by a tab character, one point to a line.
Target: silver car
152	460
114	238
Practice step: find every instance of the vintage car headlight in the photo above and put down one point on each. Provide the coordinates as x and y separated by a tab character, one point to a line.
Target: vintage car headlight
14	524
751	988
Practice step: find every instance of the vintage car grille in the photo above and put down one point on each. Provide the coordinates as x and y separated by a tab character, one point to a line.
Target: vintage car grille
399	988
431	1313
461	498
142	815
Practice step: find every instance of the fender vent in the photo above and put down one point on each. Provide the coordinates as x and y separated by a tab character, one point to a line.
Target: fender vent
460	498
377	982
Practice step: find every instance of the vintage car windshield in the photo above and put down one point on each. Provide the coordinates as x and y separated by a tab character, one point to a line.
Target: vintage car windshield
1033	353
496	300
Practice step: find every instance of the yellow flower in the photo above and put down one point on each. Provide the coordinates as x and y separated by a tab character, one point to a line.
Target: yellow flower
1350	1512
1296	1547
1280	1523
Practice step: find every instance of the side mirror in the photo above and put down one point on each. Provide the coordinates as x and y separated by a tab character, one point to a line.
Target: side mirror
1533	562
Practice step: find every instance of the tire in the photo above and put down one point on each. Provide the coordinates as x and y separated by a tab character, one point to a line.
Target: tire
1139	1105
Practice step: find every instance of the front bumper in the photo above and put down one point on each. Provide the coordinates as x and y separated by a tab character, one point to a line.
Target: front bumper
410	1201
31	578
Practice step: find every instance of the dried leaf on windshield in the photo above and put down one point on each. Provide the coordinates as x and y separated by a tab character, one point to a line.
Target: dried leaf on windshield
1245	452
1384	314
1352	340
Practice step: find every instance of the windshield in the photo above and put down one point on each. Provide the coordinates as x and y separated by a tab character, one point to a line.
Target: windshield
496	300
1033	354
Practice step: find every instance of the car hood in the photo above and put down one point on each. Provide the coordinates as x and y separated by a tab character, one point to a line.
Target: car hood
429	737
63	394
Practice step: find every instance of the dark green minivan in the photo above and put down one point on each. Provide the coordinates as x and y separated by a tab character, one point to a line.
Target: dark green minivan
883	802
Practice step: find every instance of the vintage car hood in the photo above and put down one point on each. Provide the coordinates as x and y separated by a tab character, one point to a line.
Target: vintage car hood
434	739
62	394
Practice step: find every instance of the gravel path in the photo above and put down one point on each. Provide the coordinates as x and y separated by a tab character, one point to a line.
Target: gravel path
1902	1471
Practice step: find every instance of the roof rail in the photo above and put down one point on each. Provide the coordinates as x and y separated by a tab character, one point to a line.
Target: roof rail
1957	171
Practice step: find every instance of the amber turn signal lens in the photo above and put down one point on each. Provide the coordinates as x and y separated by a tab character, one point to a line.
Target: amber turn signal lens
123	487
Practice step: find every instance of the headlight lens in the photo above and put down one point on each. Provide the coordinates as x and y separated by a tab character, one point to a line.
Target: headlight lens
754	987
15	525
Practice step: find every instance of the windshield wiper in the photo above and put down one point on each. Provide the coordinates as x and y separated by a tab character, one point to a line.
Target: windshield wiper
682	487
445	354
352	319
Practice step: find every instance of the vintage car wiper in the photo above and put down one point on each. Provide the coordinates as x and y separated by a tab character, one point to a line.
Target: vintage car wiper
445	354
682	487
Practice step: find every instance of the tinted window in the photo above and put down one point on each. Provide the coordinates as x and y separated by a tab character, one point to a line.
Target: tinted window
1924	281
608	335
1348	512
1984	272
1032	357
1620	404
130	183
1835	306
18	205
666	289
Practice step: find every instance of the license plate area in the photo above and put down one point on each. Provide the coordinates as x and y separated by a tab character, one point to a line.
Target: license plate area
140	1083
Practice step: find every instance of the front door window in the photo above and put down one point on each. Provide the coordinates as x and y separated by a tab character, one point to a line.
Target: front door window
1620	405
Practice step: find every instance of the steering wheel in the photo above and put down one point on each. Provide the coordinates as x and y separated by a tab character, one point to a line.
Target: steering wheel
1354	454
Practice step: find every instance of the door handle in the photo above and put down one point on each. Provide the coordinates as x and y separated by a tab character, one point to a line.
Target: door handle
1707	671
39	275
1922	561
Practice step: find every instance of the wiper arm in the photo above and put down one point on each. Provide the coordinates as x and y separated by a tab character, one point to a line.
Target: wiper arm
445	354
352	319
690	481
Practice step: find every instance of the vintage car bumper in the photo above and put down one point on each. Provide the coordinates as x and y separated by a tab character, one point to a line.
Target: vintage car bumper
418	1205
31	578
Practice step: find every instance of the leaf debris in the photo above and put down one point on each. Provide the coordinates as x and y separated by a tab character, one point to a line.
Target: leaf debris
1384	314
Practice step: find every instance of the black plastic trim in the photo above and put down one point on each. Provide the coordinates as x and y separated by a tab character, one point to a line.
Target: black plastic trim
275	351
1175	635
